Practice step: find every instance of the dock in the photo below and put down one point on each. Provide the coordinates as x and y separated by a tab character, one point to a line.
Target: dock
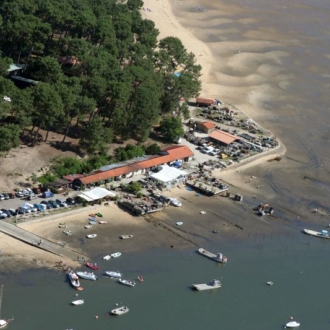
34	240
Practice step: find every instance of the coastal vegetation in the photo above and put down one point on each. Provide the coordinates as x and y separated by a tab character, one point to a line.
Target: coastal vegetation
93	70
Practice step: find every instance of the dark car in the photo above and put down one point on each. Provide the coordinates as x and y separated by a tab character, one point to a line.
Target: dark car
70	201
53	204
49	206
6	195
6	212
12	212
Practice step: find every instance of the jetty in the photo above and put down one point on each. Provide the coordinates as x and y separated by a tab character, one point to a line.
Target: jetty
219	257
39	242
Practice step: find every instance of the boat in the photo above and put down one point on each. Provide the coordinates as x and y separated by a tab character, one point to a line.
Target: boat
269	283
215	231
322	234
179	223
219	257
74	279
3	323
87	276
67	232
92	219
127	282
92	215
91	235
214	284
115	255
92	266
102	222
107	257
120	310
78	302
125	236
140	278
88	226
62	226
114	274
292	324
92	222
100	215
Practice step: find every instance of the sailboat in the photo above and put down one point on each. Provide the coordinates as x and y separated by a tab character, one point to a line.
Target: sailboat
3	323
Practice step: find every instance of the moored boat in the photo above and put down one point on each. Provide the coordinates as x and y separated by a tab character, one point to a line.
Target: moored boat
114	274
91	235
88	226
115	255
125	236
120	310
87	276
91	265
102	222
127	282
292	324
219	257
322	234
107	257
214	284
140	278
74	279
78	302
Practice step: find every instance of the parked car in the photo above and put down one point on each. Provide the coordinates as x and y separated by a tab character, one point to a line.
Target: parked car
6	212
40	207
61	203
2	197
47	194
6	195
70	201
13	212
19	194
3	215
36	190
31	197
26	192
11	195
54	204
48	205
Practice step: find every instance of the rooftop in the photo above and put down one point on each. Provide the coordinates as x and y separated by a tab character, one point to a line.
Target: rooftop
223	137
208	124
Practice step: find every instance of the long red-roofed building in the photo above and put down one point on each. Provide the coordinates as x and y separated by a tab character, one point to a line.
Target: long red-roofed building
136	166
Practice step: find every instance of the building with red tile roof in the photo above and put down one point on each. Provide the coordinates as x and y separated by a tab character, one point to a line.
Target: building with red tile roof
223	137
136	166
206	126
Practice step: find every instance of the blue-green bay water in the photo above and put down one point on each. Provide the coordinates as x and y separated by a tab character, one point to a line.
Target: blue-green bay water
297	264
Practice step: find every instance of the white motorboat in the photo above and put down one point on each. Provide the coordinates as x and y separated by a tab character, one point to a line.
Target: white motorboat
78	302
292	324
67	232
102	222
214	284
125	236
74	279
114	274
120	310
179	223
87	276
91	235
322	234
269	283
127	282
219	257
108	257
115	255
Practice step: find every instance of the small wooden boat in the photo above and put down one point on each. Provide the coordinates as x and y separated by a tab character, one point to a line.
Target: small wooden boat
114	274
92	266
92	222
62	226
74	279
120	310
100	215
67	232
78	302
127	282
125	236
102	222
91	235
322	234
140	278
115	255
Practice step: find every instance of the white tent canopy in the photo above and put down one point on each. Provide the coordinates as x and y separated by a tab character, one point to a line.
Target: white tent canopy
96	193
168	174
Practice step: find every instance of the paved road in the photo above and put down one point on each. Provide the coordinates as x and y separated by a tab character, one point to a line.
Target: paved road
33	239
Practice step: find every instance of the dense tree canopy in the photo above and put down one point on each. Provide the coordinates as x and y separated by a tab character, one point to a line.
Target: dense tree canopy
98	65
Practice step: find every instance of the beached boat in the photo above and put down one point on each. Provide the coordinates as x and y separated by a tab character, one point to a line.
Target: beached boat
219	257
115	255
91	235
100	215
292	324
62	226
120	310
78	302
92	266
102	222
87	276
107	257
74	279
3	323
214	284
92	219
67	232
125	236
92	222
114	274
322	234
88	226
127	282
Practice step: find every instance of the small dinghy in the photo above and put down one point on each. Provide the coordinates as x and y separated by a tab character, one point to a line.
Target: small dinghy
115	255
92	266
74	279
78	302
179	223
108	257
125	236
140	278
269	283
91	235
120	310
88	226
92	219
67	232
102	222
92	222
100	215
292	324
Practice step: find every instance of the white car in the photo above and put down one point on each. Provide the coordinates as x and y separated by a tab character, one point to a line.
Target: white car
175	202
2	197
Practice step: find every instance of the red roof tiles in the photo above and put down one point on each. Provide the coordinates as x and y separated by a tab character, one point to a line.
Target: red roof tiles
208	124
171	154
223	137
